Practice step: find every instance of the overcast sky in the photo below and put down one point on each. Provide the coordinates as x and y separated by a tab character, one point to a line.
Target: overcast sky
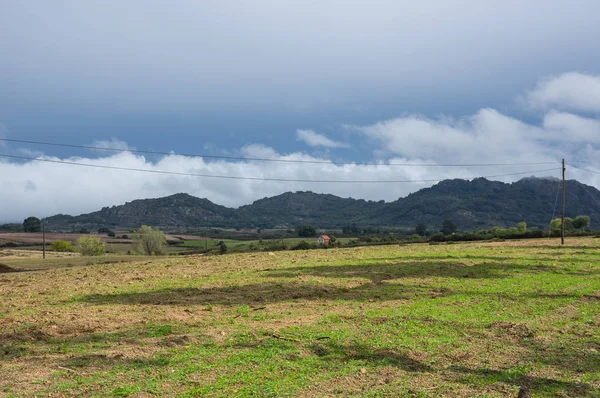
384	81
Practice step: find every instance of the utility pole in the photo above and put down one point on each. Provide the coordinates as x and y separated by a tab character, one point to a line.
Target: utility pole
43	238
562	224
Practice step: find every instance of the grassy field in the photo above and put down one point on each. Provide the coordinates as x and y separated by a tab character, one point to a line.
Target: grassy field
476	320
241	245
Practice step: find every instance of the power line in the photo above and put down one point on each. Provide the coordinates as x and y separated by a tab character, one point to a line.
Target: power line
584	169
555	203
261	178
589	193
145	152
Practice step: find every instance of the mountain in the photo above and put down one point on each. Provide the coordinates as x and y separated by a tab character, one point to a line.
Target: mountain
180	210
470	204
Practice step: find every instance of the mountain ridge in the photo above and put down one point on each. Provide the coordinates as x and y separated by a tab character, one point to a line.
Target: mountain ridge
479	203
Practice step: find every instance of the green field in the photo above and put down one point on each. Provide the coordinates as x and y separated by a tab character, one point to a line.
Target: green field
460	320
248	245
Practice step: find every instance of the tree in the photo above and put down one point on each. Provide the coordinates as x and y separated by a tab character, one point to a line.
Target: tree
111	234
350	229
556	223
150	241
306	231
448	227
421	229
522	226
581	222
32	224
90	246
222	247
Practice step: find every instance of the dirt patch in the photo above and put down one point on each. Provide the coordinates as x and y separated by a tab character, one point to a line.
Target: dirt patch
514	329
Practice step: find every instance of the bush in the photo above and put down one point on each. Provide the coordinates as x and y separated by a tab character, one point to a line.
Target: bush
90	246
302	245
222	247
150	241
111	234
62	246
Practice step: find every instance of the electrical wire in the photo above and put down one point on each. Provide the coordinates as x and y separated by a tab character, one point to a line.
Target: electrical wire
584	169
97	148
554	211
261	178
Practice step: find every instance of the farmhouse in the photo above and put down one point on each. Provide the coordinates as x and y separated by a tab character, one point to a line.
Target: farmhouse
324	239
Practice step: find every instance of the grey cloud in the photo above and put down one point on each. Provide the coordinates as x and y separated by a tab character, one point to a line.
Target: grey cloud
203	55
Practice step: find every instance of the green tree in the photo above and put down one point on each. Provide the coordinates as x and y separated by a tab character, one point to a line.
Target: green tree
306	231
448	227
90	246
62	246
522	226
150	241
581	222
421	229
556	223
32	224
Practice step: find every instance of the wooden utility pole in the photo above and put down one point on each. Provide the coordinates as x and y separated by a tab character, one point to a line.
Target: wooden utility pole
562	224
43	238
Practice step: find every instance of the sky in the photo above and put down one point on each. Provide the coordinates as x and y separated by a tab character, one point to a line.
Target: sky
386	82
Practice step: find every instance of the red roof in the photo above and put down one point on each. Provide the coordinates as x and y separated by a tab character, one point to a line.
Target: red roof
325	237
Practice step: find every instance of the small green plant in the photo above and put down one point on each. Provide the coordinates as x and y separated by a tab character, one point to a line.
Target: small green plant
159	330
90	246
62	246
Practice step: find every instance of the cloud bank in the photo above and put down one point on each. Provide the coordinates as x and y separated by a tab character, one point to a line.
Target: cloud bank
487	136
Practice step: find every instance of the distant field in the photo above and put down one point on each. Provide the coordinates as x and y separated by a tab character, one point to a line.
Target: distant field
231	243
457	320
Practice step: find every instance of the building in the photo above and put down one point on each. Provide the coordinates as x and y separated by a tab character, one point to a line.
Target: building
324	239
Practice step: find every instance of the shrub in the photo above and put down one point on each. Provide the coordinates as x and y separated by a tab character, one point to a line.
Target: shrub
62	246
222	247
111	234
150	241
90	246
302	245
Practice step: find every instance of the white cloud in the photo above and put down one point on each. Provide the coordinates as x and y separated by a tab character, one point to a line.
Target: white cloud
113	143
569	91
485	137
311	138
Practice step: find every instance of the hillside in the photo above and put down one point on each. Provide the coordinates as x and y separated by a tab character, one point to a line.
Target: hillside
470	204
